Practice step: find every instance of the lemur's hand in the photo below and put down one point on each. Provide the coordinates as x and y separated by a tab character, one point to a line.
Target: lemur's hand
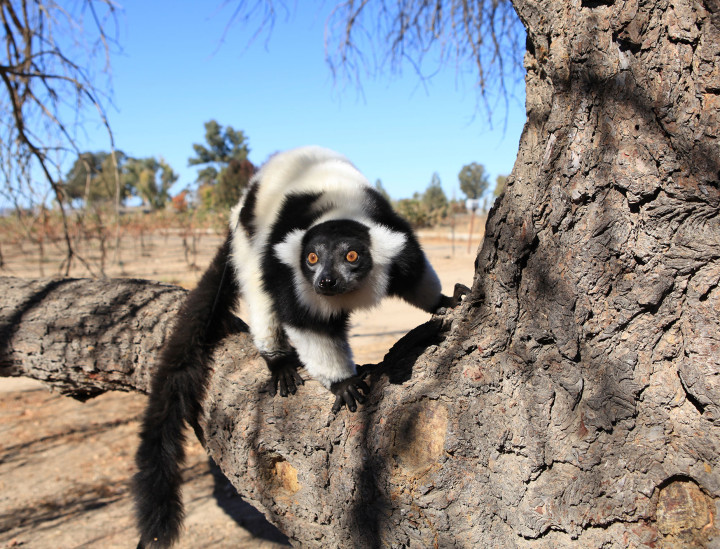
347	392
461	291
284	375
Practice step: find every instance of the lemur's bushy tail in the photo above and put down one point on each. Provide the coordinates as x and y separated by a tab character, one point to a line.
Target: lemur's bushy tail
176	391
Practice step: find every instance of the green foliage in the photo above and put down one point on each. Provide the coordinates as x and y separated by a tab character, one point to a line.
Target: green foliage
205	197
426	209
434	197
93	178
500	182
227	169
231	182
224	145
150	179
414	211
435	201
473	180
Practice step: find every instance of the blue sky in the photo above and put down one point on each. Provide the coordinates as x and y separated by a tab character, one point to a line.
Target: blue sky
180	66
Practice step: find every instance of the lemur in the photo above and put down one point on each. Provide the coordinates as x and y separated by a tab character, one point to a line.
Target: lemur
309	241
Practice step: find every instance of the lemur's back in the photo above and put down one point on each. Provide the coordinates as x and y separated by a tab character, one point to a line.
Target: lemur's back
307	170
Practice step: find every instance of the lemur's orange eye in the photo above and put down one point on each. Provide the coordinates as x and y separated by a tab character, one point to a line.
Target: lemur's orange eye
352	256
312	258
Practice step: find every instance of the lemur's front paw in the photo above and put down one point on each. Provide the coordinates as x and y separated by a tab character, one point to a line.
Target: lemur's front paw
347	392
459	295
284	375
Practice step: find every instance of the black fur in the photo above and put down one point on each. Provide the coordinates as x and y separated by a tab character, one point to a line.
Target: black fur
297	212
410	264
284	377
176	391
346	393
247	214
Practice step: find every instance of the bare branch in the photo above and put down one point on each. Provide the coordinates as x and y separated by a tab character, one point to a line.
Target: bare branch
47	81
260	14
485	34
369	37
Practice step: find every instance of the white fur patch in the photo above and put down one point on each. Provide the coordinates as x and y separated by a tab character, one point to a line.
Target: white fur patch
325	358
288	251
235	214
385	244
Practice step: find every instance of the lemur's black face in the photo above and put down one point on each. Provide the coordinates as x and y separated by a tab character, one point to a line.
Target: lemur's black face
336	256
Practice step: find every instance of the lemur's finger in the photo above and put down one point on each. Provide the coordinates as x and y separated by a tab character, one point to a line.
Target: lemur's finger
364	386
272	387
349	401
355	393
283	386
337	405
298	378
293	380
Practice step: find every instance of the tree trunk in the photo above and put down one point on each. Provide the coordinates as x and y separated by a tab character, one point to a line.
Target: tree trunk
572	401
595	343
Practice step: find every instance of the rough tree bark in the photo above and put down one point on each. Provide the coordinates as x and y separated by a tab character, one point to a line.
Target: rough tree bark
573	400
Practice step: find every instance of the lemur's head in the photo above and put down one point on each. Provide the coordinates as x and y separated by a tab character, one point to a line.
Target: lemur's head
336	257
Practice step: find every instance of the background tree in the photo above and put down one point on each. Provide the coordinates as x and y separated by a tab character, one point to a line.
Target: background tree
96	181
92	178
434	200
426	209
434	196
231	182
49	59
223	146
150	179
500	182
413	210
179	202
473	180
381	189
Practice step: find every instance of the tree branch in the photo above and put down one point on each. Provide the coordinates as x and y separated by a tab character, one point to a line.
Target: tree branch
281	453
84	336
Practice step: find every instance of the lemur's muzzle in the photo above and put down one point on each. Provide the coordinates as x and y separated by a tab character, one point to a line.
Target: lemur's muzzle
327	285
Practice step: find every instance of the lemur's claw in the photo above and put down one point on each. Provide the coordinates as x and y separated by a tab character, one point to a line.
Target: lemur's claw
347	392
460	293
447	302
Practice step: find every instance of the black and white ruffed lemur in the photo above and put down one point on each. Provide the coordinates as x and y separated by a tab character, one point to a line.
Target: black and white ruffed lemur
310	241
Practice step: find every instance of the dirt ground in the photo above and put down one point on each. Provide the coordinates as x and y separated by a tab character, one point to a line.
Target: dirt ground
65	465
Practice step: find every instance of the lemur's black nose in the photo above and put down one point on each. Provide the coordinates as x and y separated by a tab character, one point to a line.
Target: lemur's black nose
327	283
